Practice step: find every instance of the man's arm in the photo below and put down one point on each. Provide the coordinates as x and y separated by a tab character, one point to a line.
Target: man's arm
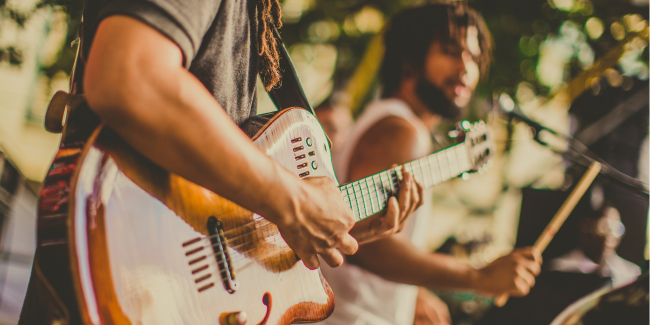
393	140
396	259
135	81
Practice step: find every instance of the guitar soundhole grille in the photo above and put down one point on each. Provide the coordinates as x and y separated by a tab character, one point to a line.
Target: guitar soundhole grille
198	265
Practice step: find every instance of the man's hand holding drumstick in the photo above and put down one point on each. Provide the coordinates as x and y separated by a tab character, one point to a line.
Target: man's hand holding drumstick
557	221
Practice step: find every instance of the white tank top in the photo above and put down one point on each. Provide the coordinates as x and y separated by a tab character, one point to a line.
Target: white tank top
363	298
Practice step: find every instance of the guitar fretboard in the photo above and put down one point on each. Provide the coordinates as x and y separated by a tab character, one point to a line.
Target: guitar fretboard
369	195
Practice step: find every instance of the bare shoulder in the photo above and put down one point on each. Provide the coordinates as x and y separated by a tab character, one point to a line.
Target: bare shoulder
392	140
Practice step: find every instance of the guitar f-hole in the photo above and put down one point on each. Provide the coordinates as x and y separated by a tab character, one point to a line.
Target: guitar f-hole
234	317
266	300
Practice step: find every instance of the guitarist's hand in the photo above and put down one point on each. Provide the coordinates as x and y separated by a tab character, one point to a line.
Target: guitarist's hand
320	225
393	218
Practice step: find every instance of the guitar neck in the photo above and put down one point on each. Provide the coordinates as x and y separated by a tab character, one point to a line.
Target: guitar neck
369	195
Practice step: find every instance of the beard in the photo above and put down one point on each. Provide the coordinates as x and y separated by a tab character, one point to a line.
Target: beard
436	101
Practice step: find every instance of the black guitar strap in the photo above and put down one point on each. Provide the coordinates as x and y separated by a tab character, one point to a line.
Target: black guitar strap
289	93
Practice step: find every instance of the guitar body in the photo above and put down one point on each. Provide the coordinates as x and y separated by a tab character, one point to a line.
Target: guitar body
149	247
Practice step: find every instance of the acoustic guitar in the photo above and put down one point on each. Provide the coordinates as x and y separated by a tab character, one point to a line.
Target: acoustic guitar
145	246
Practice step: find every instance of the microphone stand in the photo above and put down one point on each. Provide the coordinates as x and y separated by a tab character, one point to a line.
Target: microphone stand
582	156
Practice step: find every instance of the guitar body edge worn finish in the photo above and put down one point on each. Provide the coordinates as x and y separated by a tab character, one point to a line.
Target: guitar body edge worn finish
149	247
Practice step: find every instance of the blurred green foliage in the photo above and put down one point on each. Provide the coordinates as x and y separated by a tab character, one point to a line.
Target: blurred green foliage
518	27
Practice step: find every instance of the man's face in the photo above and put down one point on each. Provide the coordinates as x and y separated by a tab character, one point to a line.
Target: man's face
451	68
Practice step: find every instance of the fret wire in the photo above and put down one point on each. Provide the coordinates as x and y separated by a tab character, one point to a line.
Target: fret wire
362	197
452	161
420	177
414	170
463	160
363	200
380	202
359	212
409	168
444	168
359	202
347	190
373	203
422	172
429	170
387	190
375	194
390	180
429	173
358	209
383	175
435	168
369	207
361	192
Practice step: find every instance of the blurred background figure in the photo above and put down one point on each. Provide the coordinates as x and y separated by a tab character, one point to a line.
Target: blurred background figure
592	265
336	120
598	239
434	56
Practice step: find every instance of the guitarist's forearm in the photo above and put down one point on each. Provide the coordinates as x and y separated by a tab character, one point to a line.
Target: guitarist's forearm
166	114
396	259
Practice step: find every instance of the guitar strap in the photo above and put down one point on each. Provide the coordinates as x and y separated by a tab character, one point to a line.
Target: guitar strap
289	93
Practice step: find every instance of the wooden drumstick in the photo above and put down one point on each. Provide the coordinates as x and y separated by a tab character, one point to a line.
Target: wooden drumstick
559	218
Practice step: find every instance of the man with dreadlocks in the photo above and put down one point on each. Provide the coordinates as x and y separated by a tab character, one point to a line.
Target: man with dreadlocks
175	79
433	59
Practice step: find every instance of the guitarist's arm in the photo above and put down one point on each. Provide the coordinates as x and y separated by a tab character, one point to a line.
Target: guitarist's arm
135	81
393	140
396	259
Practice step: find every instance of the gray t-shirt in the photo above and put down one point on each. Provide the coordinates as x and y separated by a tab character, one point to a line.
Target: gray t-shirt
218	39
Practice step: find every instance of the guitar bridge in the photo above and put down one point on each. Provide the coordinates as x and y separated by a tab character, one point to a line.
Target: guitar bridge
220	248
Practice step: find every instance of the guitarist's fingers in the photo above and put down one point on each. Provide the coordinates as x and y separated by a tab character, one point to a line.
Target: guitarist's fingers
348	246
311	261
392	217
416	198
332	257
404	196
420	189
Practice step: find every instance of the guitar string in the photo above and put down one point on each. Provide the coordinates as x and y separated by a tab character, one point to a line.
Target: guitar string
369	191
229	240
367	187
367	198
241	254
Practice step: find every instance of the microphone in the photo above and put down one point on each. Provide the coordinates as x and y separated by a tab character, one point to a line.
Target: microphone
512	111
508	107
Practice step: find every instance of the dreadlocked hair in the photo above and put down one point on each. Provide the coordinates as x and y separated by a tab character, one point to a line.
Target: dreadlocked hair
410	34
269	14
